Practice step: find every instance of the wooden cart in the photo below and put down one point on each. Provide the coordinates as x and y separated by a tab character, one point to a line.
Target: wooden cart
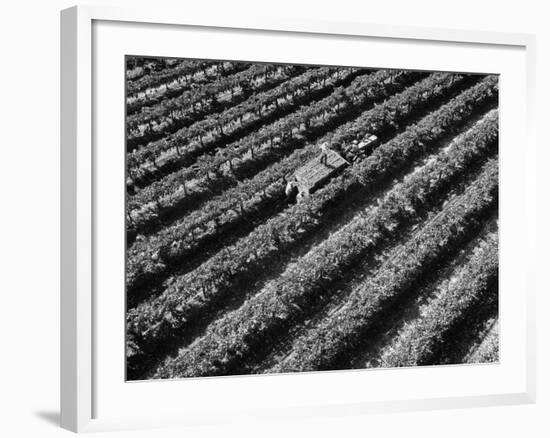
315	173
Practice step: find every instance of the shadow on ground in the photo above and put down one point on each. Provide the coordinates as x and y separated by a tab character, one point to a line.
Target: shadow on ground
51	417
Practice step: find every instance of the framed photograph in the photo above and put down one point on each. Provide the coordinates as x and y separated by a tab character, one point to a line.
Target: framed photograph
272	218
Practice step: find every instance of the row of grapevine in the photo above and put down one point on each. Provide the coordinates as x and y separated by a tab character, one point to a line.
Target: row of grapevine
241	83
222	92
219	129
170	116
233	211
286	299
142	102
322	346
148	213
488	349
200	289
261	148
418	341
185	236
184	71
137	67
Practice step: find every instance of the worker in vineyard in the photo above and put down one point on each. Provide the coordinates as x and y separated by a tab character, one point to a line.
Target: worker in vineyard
291	190
302	196
324	152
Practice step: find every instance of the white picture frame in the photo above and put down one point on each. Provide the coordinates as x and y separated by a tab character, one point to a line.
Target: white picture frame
82	369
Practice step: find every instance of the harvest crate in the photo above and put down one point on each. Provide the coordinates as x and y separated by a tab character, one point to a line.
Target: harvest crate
314	173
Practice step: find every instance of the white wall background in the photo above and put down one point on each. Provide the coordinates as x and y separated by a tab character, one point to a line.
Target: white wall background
29	218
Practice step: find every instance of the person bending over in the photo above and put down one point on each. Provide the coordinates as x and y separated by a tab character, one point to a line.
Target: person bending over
324	152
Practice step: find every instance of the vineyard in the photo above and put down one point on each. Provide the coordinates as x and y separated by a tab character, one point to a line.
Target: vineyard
285	218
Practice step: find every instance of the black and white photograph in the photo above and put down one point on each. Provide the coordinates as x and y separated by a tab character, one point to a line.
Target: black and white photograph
287	218
275	219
